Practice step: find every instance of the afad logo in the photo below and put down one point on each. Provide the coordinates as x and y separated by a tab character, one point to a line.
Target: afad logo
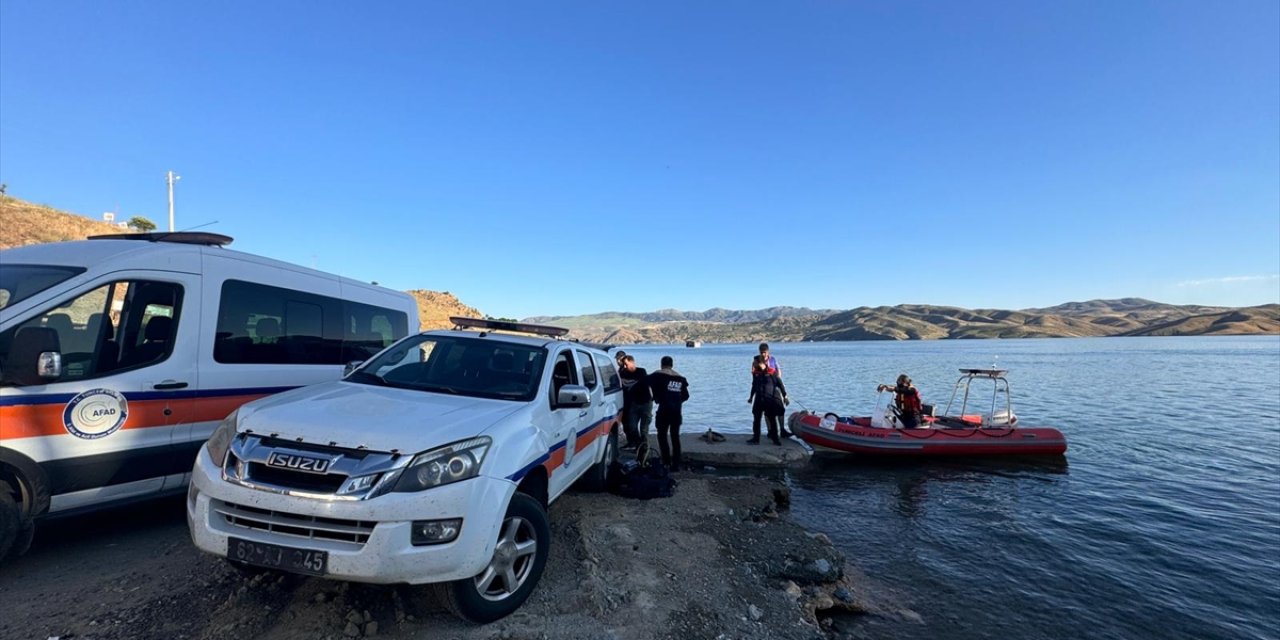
95	413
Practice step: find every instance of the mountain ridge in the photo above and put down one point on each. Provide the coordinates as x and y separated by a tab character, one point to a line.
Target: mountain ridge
1089	318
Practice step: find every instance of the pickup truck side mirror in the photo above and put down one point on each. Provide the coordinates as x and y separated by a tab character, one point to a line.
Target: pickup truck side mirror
36	357
351	366
573	395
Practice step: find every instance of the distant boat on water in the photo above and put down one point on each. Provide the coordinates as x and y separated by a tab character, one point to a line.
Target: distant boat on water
692	344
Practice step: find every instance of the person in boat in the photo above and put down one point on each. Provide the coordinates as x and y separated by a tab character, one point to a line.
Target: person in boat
907	399
768	398
670	391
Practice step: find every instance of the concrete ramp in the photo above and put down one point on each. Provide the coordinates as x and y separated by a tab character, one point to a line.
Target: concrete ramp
734	452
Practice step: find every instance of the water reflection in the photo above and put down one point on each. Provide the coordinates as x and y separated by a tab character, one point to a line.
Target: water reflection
908	482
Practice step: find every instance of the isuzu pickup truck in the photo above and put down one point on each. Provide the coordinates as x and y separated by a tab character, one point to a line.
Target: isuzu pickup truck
433	462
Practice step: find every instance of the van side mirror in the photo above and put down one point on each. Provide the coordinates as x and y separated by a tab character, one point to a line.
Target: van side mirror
573	395
351	366
35	357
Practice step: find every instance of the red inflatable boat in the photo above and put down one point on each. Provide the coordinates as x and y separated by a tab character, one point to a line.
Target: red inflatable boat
996	432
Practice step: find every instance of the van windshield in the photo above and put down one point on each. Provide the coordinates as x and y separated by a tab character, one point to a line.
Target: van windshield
21	281
457	366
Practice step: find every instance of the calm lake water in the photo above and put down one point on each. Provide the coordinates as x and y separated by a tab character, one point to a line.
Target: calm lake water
1162	521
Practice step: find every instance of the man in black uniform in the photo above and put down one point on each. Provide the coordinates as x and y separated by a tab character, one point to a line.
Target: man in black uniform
670	390
637	402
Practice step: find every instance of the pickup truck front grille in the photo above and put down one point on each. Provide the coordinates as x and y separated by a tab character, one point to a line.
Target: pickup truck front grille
353	532
289	479
290	467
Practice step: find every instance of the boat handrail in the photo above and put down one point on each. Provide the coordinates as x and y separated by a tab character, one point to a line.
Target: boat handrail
998	378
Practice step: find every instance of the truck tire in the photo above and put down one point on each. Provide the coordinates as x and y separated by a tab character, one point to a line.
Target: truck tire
11	520
524	542
22	542
597	477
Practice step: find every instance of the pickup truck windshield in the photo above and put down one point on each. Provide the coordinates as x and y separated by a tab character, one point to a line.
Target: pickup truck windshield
458	366
21	281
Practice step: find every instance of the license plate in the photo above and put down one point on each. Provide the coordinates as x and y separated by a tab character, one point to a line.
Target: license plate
274	556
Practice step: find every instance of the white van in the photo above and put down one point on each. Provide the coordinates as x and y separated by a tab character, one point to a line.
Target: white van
120	354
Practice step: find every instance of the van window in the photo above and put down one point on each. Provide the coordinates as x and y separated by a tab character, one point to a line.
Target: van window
116	327
21	281
260	324
369	329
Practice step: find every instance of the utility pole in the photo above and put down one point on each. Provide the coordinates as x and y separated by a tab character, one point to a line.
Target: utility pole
171	179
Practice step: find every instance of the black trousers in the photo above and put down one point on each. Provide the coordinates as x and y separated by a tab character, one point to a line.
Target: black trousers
668	423
774	422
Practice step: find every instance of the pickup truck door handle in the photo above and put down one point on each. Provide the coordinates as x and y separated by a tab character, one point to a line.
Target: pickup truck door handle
169	384
583	414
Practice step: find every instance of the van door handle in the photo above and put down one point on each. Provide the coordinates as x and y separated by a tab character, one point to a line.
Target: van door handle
169	384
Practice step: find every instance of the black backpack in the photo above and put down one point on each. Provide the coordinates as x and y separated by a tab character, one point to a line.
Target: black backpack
643	478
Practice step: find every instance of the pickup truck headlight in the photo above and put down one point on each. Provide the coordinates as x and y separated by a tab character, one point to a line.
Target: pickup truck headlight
220	441
447	464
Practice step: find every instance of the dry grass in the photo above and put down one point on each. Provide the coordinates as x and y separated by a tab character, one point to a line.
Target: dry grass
23	223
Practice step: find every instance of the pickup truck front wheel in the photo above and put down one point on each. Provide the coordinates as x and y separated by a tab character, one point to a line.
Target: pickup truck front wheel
524	540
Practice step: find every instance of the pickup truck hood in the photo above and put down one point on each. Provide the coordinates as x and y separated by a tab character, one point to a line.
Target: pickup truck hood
355	415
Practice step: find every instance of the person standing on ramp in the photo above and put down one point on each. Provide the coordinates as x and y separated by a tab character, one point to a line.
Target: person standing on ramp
670	391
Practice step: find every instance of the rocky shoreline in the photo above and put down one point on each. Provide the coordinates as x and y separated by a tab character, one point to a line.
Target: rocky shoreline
720	559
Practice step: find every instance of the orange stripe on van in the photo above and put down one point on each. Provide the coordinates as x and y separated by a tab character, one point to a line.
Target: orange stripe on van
32	420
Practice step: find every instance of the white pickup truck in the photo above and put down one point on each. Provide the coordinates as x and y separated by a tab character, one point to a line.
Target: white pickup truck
433	462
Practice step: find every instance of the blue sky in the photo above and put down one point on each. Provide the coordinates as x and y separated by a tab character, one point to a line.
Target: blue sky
563	158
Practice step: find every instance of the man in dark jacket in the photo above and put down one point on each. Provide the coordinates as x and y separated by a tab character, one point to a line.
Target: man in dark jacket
637	402
670	390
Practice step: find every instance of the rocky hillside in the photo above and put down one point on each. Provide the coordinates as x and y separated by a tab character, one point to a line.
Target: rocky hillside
435	307
1125	317
23	223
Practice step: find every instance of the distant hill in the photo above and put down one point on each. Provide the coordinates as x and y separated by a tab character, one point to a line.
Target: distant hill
1124	317
674	315
23	223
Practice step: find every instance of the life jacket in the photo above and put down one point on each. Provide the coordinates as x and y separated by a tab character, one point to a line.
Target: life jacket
907	399
771	367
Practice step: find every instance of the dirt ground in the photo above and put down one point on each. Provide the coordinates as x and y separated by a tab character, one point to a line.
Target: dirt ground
718	560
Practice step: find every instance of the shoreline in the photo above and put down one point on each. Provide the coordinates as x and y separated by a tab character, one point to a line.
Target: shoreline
720	559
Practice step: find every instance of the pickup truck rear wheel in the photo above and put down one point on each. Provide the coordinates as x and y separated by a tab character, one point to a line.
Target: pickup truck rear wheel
524	540
597	477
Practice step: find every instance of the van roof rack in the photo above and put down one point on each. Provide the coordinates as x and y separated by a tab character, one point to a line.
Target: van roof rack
180	237
460	322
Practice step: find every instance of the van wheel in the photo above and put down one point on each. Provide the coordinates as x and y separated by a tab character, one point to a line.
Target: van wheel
597	477
524	540
10	520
